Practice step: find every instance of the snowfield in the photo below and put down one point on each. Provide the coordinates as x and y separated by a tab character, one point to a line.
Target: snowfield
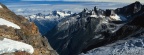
115	17
9	24
9	46
133	46
63	14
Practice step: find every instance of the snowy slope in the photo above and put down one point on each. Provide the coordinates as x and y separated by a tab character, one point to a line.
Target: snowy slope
63	14
115	17
8	23
9	46
133	46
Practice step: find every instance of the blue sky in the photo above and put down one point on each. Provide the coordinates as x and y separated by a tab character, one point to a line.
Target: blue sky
127	1
12	2
23	2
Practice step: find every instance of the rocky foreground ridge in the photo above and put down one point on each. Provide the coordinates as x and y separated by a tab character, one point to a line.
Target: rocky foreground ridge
27	33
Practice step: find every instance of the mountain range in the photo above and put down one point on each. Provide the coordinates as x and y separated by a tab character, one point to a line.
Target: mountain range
46	22
91	29
97	31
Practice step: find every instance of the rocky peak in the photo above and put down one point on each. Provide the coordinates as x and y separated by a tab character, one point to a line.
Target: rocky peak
130	9
28	33
109	12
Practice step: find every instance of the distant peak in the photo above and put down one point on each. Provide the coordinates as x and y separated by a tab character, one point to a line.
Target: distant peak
137	2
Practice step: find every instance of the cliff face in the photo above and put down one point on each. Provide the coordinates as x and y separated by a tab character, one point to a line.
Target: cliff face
28	33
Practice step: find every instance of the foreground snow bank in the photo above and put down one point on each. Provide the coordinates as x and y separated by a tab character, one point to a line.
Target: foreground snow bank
8	23
9	46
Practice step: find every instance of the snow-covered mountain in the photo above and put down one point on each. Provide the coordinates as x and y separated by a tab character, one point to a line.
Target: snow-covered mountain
52	16
46	22
90	32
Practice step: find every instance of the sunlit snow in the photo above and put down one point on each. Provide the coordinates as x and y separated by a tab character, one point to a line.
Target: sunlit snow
8	23
9	46
1	6
93	16
115	17
63	14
